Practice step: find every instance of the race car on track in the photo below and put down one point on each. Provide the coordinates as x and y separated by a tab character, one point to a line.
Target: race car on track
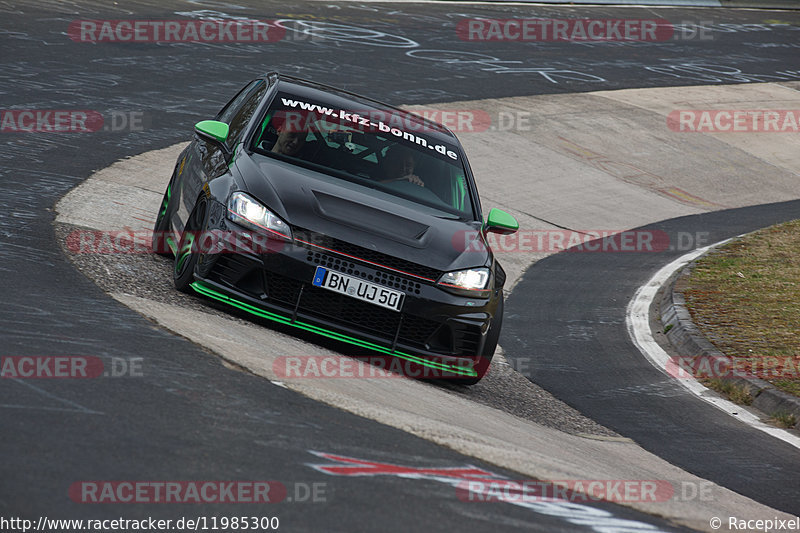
340	215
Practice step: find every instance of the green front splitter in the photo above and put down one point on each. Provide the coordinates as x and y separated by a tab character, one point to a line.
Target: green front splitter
205	290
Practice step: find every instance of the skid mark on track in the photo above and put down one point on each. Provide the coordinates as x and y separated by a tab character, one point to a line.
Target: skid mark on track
73	406
632	174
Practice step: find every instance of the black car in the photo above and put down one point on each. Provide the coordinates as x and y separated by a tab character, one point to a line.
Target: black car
343	216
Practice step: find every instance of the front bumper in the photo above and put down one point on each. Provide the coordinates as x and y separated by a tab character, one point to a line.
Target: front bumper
442	332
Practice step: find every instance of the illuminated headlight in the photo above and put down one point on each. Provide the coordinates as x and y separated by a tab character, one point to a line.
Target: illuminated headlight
474	279
246	211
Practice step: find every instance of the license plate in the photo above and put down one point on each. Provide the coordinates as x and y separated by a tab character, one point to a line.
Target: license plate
358	288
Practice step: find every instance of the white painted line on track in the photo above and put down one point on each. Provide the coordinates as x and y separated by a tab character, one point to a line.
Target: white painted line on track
637	319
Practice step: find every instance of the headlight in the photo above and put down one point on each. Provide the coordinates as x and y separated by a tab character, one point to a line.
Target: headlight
473	279
246	211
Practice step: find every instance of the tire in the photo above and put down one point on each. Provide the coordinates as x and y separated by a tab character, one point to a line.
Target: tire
489	347
162	227
187	252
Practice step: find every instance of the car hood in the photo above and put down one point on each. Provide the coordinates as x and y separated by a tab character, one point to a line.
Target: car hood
362	216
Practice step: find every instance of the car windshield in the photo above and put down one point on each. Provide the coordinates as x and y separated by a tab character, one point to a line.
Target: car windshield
380	149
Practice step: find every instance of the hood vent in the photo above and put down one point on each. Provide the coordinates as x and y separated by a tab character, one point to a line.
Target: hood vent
370	219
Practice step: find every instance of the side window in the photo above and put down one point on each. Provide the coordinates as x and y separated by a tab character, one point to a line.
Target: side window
238	112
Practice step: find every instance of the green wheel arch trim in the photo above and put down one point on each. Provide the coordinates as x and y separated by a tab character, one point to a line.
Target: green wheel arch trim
211	293
184	252
166	200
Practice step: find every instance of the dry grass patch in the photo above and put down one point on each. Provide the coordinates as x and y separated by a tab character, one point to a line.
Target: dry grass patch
784	420
745	298
735	393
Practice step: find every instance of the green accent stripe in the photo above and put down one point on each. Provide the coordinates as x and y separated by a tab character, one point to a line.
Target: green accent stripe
185	251
166	200
211	293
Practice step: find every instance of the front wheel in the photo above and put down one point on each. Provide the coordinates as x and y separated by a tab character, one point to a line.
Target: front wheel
188	248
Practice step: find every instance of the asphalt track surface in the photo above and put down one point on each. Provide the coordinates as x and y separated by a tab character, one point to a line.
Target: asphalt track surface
599	371
190	417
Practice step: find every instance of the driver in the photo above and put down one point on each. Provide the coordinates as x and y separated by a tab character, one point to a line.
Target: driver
289	142
399	164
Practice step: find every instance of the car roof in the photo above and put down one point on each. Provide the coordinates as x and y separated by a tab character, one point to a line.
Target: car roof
351	101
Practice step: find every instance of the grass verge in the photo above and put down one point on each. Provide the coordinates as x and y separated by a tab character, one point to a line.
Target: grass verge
745	298
735	393
784	420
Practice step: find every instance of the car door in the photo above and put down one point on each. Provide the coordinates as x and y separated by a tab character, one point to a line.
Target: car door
207	159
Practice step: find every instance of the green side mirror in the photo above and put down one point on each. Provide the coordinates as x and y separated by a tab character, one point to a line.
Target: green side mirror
213	129
501	222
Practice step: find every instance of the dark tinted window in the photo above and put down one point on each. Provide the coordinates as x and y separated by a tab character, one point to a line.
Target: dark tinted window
382	149
238	112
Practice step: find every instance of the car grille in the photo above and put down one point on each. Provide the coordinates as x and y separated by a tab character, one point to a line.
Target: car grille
414	331
344	266
453	338
313	241
349	311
